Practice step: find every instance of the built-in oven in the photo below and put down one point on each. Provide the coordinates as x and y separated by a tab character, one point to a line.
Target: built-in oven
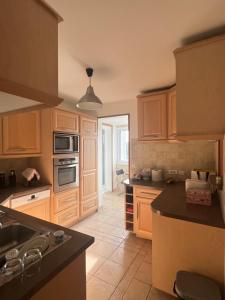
66	173
65	143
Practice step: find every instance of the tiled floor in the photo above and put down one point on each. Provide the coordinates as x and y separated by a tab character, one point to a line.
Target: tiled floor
118	264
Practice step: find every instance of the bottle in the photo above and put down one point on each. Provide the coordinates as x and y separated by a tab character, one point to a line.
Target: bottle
2	179
12	178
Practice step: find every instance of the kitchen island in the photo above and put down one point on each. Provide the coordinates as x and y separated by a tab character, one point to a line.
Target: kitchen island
184	236
62	271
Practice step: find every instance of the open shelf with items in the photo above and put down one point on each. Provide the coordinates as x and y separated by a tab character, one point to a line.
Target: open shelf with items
129	208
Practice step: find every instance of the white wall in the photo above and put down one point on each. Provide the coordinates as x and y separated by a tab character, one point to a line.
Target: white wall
123	107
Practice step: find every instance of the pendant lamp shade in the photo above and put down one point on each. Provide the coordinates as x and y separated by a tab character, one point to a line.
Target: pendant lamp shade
89	101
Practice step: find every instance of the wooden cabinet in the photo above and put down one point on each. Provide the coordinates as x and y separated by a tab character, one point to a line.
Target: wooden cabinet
142	211
66	199
65	121
67	217
1	135
172	114
66	207
152	116
157	118
21	133
39	209
29	52
88	163
88	126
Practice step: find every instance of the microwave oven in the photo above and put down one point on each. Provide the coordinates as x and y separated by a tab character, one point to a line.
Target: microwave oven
65	143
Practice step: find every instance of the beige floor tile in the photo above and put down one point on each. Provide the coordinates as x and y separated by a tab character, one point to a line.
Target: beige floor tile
93	262
111	272
158	295
123	256
104	249
137	290
144	273
98	289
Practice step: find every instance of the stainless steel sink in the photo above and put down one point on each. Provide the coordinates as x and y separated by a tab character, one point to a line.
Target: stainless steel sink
14	235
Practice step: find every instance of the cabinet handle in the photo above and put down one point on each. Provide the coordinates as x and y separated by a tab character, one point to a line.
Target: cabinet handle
31	199
18	149
154	135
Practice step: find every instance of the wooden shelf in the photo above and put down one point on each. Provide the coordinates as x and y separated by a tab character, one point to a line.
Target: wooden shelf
130	222
130	213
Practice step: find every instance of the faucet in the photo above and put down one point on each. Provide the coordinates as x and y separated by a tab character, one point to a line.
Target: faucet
1	225
2	213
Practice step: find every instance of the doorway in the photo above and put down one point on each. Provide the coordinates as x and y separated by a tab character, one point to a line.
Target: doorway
113	155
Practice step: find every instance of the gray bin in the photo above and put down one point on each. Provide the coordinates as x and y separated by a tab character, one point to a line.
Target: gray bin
192	286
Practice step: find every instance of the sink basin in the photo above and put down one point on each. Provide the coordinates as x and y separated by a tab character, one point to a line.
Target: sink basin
13	235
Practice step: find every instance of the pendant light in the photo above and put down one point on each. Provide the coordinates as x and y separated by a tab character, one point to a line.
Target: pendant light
89	101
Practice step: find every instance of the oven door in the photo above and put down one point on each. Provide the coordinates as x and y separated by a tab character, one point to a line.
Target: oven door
63	143
66	177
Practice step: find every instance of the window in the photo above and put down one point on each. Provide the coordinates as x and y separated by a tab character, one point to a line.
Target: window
122	145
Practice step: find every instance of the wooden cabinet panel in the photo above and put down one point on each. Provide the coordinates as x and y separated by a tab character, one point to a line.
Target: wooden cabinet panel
67	217
172	114
89	154
39	209
1	135
146	192
88	127
66	199
143	217
29	52
89	186
88	206
65	121
21	133
152	119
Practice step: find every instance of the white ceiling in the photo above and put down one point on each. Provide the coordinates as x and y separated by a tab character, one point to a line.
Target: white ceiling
129	43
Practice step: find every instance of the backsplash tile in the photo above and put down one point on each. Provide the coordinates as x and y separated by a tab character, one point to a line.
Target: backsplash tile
183	156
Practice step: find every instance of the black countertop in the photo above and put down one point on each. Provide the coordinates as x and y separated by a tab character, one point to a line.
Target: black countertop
20	190
52	263
172	203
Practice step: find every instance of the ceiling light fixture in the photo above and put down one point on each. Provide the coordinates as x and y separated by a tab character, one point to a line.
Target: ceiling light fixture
89	101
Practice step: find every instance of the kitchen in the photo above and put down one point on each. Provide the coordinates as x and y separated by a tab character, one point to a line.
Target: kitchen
135	246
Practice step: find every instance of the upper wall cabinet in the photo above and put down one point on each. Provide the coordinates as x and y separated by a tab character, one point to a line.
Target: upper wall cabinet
21	133
157	115
200	73
88	126
152	116
29	50
65	121
172	114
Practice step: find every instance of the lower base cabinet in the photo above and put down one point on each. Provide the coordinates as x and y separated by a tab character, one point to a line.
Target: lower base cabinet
143	198
66	207
67	217
39	209
88	206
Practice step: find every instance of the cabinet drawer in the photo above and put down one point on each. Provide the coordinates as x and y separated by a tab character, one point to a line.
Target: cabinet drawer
66	199
67	217
146	192
88	206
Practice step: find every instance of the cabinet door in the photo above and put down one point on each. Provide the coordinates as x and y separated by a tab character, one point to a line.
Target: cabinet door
143	217
67	217
88	127
152	117
39	209
21	133
65	121
66	199
1	136
88	184
172	116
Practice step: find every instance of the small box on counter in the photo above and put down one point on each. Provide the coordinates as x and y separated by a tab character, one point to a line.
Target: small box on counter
199	196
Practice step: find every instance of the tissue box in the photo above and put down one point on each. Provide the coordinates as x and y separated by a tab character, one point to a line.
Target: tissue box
199	196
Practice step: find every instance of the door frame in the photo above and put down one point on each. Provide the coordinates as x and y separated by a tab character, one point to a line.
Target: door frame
111	127
119	115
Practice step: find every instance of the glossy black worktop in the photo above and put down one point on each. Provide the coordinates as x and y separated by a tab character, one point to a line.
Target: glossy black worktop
53	262
172	203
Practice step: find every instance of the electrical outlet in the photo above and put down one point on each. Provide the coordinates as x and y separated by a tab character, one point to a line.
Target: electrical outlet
172	172
180	172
